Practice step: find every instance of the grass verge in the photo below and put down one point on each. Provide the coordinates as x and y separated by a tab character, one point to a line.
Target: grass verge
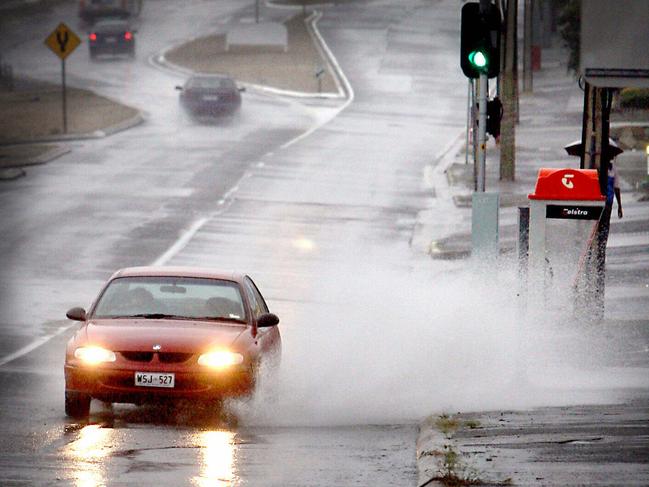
292	70
38	111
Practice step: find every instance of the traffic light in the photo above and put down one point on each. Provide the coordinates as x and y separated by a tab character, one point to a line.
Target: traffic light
480	41
494	115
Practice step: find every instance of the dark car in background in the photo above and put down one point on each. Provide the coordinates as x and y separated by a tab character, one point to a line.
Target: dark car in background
210	95
111	36
91	10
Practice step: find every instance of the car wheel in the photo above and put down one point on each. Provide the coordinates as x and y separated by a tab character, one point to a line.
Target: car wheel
77	405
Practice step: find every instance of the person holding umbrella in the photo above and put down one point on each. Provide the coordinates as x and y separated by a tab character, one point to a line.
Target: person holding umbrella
612	183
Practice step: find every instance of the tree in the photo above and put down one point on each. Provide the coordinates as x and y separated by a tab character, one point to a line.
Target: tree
509	92
569	21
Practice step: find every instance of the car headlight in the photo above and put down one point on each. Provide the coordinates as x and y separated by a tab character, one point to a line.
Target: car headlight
94	355
220	359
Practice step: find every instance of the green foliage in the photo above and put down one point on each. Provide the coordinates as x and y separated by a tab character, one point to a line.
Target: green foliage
446	424
569	21
634	98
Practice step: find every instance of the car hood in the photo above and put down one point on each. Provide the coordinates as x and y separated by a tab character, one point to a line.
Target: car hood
171	335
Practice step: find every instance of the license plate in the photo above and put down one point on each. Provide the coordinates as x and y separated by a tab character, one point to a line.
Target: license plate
211	98
154	379
111	40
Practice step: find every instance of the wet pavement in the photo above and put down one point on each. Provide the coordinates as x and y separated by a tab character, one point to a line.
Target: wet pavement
336	227
255	194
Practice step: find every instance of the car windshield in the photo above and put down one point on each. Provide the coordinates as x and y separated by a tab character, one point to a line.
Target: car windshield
111	26
171	297
211	82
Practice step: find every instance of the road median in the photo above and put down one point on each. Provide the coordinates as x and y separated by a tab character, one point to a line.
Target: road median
292	70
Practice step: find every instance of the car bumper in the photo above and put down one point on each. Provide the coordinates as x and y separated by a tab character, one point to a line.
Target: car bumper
112	49
118	385
212	109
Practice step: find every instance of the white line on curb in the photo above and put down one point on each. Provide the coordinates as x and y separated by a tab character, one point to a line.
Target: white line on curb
340	75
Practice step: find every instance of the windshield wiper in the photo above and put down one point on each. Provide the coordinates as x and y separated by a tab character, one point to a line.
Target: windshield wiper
155	316
219	318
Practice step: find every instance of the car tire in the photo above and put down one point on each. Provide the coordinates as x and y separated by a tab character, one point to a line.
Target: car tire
77	405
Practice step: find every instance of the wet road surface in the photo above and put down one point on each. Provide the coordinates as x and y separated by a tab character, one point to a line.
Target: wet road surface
302	216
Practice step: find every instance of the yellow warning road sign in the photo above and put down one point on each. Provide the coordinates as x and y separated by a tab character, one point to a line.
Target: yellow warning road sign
62	41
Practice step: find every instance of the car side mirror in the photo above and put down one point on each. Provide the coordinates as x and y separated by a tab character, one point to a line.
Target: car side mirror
179	88
76	314
242	89
267	319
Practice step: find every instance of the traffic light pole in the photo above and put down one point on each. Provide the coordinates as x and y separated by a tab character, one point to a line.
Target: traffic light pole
481	156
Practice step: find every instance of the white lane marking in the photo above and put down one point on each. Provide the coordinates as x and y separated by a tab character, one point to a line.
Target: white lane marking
32	346
181	243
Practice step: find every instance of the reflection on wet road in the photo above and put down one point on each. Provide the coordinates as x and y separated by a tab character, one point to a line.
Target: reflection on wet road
188	450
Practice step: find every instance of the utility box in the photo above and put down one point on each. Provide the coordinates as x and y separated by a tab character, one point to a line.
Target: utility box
565	209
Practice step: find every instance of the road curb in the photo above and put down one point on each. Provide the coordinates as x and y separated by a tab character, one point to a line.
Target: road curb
11	171
340	79
11	174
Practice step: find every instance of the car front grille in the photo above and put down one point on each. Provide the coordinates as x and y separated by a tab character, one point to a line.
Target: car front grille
164	357
138	356
173	357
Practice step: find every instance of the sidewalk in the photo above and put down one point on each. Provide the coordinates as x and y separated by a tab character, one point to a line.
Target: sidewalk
588	445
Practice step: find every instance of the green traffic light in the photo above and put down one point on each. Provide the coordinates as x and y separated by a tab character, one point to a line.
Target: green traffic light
478	59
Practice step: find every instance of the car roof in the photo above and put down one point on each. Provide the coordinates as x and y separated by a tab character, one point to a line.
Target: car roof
210	76
178	271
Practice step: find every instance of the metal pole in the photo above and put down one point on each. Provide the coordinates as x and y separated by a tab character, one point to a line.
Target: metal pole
482	132
523	240
469	104
527	47
63	92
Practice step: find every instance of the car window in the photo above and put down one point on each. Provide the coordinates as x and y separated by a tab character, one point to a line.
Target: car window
182	297
211	82
111	26
257	302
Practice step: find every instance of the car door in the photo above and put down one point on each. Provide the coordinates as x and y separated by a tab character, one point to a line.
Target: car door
268	338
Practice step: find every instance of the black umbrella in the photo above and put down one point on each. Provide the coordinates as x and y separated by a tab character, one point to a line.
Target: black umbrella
574	148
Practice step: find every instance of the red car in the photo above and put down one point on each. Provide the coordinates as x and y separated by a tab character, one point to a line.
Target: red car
169	333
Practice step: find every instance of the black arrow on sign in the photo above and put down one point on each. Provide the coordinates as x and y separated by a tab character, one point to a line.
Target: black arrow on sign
62	38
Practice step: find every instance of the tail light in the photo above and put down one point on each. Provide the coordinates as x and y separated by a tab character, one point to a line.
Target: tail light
128	36
92	37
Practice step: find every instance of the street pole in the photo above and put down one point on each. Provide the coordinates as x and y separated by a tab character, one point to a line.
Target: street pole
527	47
63	93
469	108
482	132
